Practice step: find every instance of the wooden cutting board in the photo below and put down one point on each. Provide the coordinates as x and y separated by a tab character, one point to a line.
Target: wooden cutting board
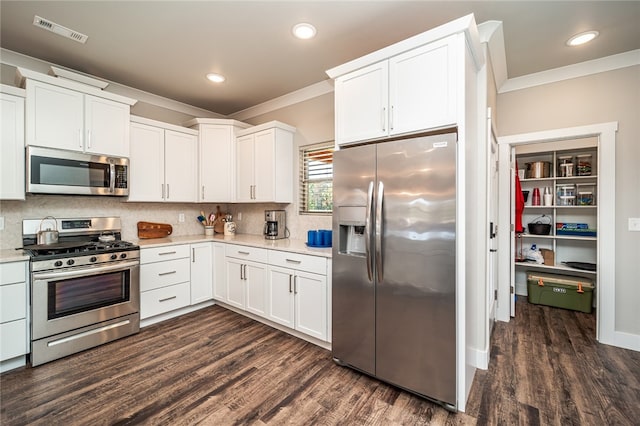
154	230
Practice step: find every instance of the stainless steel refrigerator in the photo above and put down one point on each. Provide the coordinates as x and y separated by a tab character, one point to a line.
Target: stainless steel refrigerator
394	263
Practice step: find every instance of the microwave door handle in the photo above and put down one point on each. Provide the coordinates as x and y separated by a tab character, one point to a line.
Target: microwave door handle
112	177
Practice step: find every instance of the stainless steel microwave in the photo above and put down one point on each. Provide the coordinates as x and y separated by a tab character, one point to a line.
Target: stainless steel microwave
56	171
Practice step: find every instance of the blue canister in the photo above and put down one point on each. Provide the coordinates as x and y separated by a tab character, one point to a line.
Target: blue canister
312	238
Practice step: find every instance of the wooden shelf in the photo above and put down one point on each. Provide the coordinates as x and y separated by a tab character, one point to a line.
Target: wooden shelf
557	268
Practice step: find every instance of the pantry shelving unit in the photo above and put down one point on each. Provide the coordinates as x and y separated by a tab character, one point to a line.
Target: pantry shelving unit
566	248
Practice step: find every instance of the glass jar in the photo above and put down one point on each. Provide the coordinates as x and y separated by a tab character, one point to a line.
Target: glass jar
585	198
566	195
565	166
583	164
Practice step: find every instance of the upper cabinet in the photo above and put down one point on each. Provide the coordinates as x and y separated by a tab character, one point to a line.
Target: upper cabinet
216	158
409	92
12	144
265	163
163	162
67	115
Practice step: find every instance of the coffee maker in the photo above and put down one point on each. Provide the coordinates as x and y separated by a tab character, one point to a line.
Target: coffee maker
274	224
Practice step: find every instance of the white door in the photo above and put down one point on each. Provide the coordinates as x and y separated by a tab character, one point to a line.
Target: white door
146	163
55	117
310	292
512	283
245	168
264	162
106	127
422	88
492	205
201	272
362	98
12	145
235	282
280	298
180	168
255	275
217	168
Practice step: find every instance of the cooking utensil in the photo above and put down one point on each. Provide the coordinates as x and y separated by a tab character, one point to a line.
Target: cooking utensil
539	228
106	237
48	236
538	169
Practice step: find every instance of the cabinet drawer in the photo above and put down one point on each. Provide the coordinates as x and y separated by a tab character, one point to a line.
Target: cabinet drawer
247	253
158	254
165	299
301	262
162	274
14	272
13	339
13	302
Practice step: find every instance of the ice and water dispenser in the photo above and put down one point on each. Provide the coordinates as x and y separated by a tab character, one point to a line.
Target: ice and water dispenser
351	221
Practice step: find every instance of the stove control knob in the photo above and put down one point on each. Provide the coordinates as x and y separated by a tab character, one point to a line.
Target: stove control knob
93	259
114	256
123	255
70	262
58	263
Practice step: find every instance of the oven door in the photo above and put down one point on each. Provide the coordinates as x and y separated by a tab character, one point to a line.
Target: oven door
67	300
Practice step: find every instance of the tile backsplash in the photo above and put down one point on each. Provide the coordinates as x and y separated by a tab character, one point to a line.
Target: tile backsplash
252	222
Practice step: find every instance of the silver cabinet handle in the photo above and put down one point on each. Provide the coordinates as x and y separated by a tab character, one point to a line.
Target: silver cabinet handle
245	271
244	252
167	298
167	191
193	255
202	197
379	230
295	284
290	279
391	119
166	252
367	232
383	119
241	277
80	138
161	274
162	186
88	138
297	262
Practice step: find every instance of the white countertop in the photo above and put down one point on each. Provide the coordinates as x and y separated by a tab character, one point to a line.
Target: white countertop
12	255
286	244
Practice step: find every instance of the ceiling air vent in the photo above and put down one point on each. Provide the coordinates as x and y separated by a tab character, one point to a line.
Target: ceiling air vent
59	29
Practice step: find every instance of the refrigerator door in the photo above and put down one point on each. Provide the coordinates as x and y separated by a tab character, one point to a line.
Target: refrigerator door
353	298
415	295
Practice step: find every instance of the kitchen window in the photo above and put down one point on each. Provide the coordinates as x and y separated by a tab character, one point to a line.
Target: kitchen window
316	178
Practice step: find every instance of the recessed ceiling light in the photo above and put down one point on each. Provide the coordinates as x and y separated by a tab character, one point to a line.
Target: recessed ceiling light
582	38
216	78
304	31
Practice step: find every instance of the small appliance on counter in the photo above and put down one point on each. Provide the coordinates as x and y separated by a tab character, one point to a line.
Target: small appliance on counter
275	224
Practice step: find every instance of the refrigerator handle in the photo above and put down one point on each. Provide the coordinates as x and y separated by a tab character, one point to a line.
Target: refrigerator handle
379	230
367	232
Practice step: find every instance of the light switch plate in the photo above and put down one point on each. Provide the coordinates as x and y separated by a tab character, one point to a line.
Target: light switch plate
634	224
181	217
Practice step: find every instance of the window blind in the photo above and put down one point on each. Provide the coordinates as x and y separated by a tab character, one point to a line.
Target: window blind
316	178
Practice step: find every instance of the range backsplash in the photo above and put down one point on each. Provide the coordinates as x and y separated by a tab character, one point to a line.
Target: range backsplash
39	206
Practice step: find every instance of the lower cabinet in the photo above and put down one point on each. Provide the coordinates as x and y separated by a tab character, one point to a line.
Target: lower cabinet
165	279
201	272
14	331
246	278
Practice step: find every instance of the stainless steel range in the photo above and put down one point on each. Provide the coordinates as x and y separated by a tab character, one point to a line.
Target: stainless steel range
85	288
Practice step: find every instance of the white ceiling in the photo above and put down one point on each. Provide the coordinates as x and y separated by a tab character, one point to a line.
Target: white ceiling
167	47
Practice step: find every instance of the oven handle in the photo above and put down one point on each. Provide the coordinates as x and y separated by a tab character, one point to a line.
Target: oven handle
83	271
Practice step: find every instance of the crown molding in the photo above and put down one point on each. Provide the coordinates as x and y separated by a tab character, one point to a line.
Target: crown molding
491	32
583	69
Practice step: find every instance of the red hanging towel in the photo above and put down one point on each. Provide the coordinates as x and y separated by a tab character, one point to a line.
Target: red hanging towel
519	203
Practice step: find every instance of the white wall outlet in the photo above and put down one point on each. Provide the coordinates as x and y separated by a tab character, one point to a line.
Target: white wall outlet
1	223
239	215
634	224
181	218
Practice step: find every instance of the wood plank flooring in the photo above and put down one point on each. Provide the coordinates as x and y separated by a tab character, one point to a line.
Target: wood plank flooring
215	367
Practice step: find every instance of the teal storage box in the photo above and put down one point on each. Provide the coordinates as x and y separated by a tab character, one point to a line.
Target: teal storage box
560	291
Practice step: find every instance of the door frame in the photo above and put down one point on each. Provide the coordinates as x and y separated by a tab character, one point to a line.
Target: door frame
606	288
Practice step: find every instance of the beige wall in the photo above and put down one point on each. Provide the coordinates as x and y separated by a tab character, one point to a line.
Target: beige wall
599	98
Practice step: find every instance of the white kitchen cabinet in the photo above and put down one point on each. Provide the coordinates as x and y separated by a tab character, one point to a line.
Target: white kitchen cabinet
163	162
14	331
297	295
12	174
219	272
201	272
412	91
265	163
59	117
216	158
165	279
246	278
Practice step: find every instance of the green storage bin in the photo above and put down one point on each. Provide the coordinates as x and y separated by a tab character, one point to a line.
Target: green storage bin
560	291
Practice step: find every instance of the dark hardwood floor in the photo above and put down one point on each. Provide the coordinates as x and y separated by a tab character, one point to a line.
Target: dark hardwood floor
215	367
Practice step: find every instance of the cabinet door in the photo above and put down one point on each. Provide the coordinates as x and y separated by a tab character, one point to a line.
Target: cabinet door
146	163
219	273
422	87
12	177
13	339
201	272
180	153
235	282
55	116
217	164
106	127
280	301
311	304
245	168
264	165
256	280
361	100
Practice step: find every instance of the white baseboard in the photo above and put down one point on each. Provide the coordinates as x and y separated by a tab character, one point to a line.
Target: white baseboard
168	315
626	340
478	358
13	363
